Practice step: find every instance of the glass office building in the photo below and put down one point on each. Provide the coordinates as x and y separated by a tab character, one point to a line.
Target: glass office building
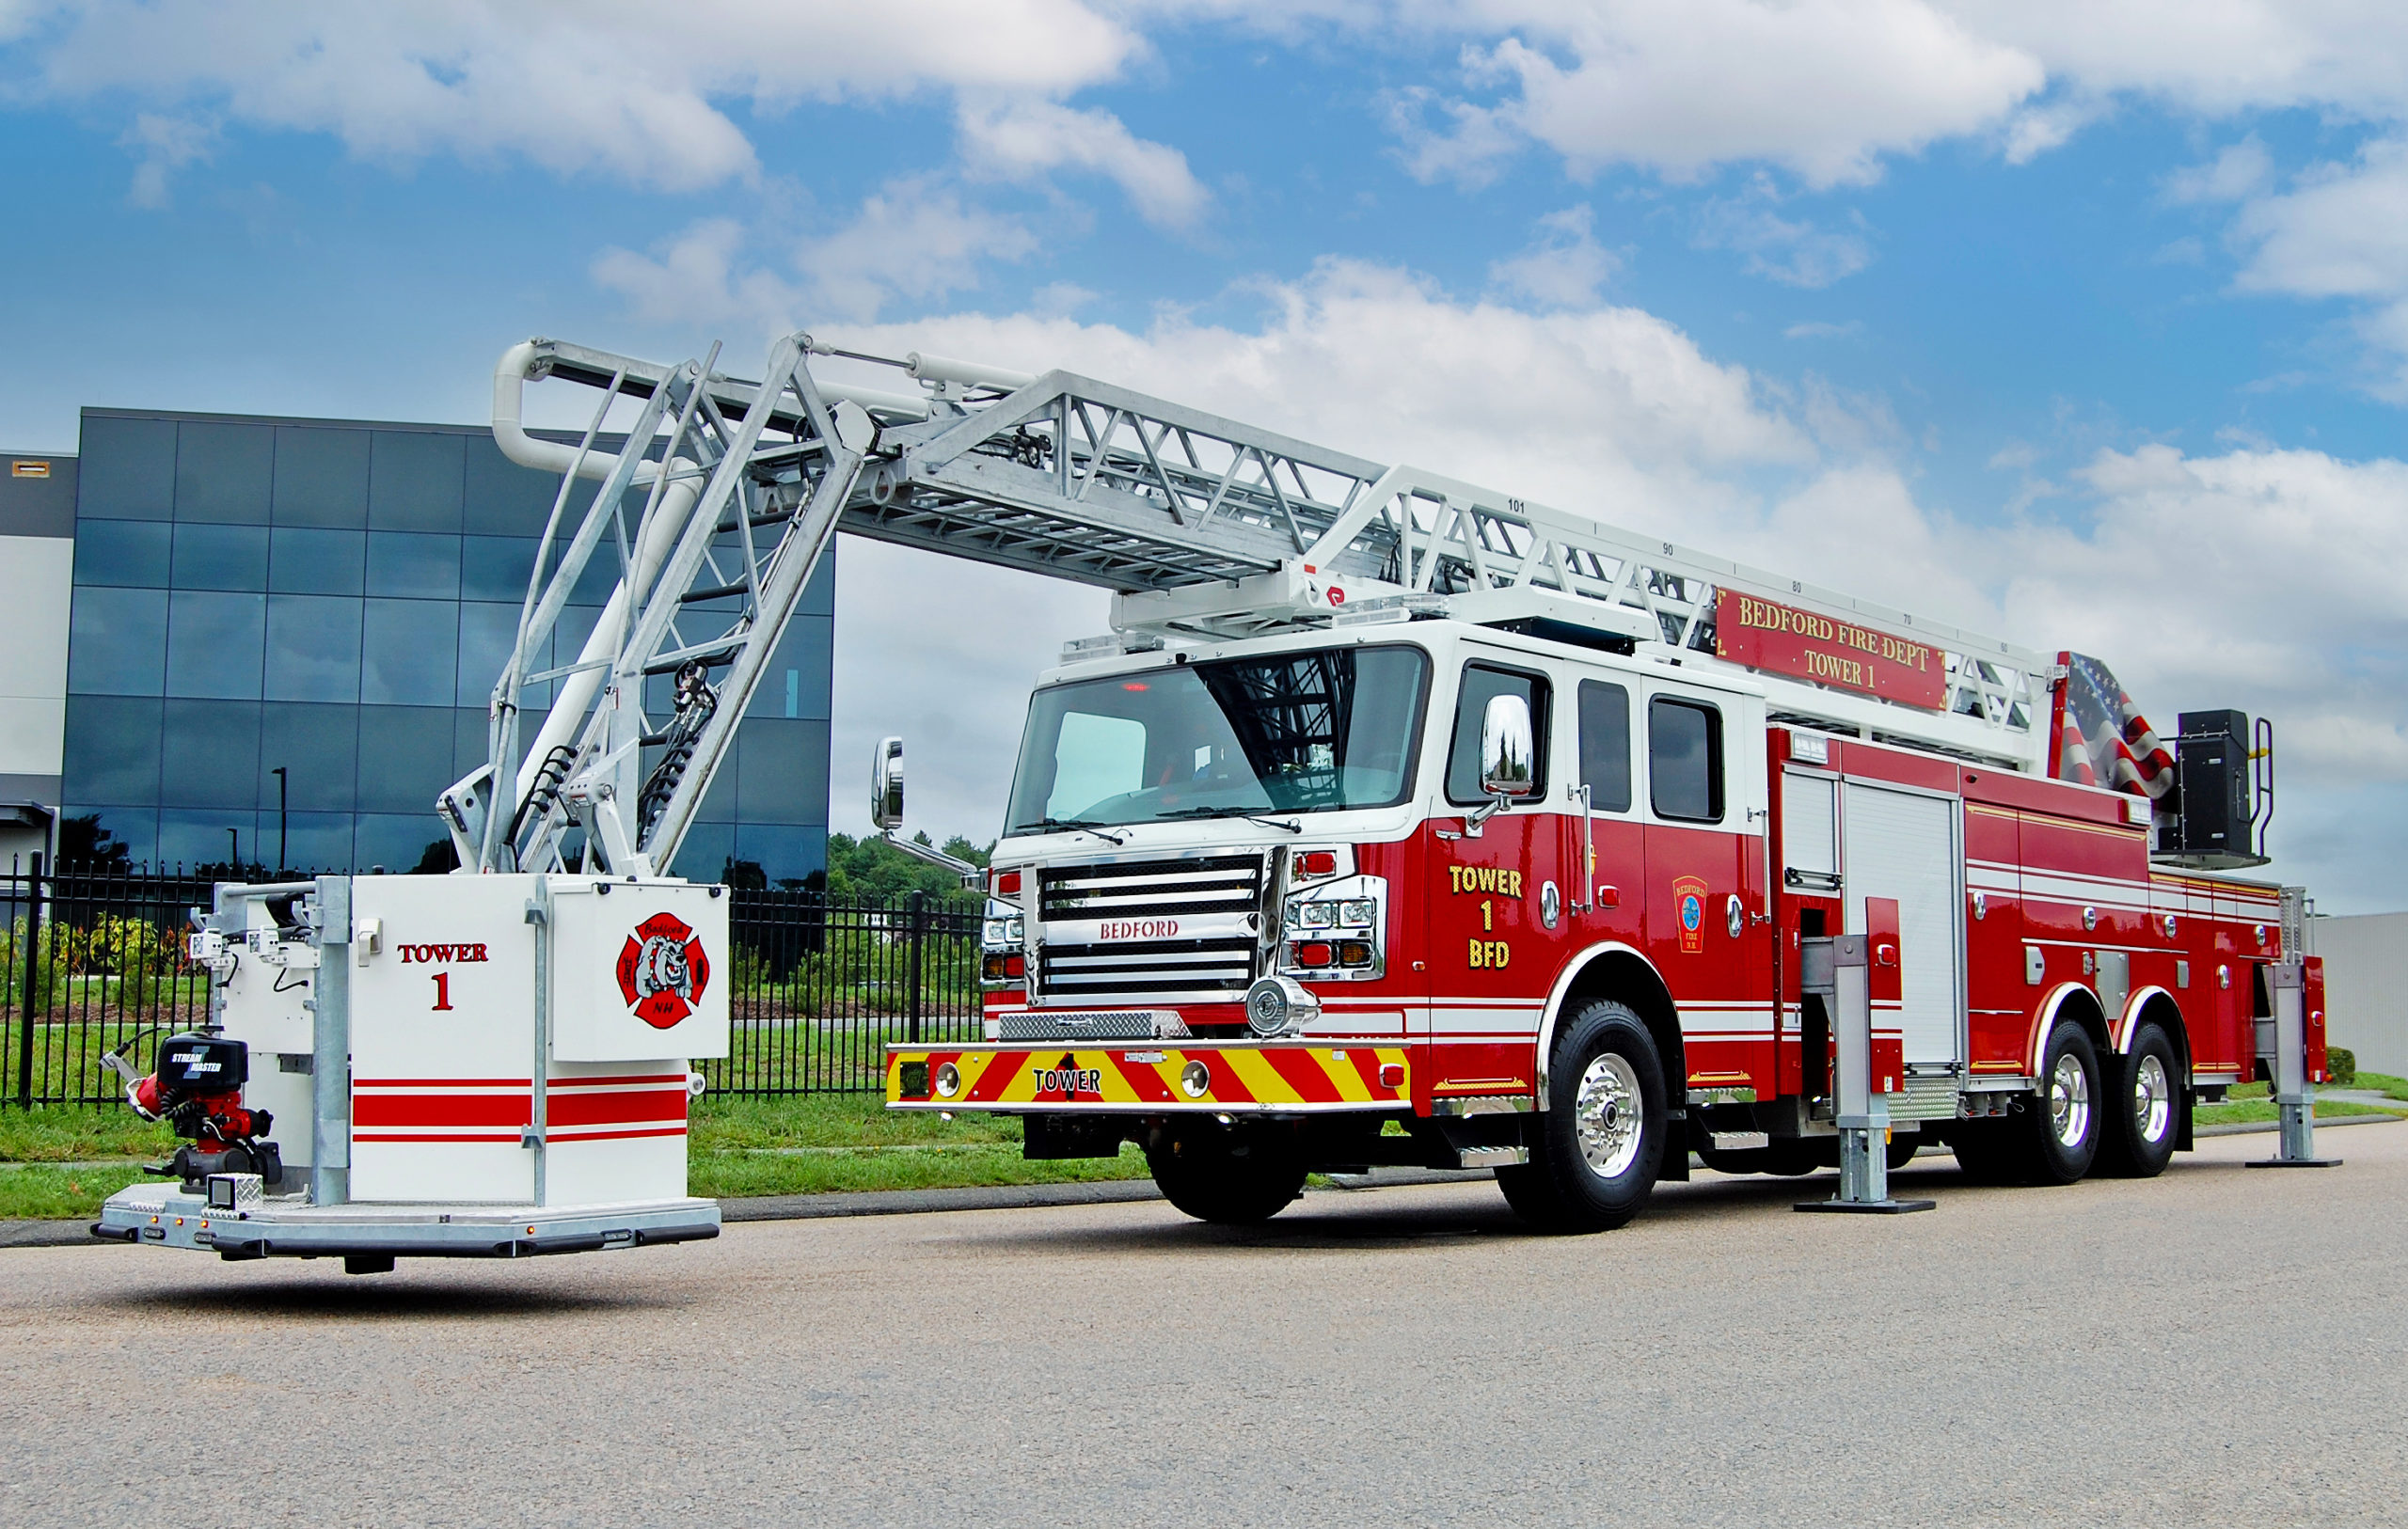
334	601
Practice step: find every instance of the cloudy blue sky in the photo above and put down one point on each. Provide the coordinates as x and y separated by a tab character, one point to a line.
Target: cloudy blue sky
2082	322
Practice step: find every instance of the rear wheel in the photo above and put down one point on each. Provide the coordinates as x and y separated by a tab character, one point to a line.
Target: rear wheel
1224	1178
2136	1138
2052	1138
1601	1137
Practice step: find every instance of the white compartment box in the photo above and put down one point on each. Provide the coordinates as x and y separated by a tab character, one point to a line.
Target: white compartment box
639	970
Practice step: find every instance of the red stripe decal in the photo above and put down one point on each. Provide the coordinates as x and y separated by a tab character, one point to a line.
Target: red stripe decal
441	1110
660	1104
615	1136
444	1082
630	1079
438	1141
1303	1075
1148	1083
1367	1067
997	1077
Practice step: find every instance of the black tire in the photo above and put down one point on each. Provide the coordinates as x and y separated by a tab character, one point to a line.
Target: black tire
2052	1136
1985	1153
2143	1108
1901	1151
1222	1177
1589	1170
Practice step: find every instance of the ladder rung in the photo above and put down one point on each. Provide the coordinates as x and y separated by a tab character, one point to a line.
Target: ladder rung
722	592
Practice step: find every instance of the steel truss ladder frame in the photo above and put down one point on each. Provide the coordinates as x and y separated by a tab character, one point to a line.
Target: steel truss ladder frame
1202	526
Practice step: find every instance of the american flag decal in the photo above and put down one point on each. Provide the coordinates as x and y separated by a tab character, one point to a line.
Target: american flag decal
2100	737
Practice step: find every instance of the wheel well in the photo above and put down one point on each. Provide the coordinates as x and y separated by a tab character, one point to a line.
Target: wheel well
1622	976
2082	1007
2166	1015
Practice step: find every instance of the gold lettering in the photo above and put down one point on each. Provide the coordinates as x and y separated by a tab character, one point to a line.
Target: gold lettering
1517	877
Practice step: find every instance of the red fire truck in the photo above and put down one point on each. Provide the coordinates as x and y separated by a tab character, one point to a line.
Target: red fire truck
1520	877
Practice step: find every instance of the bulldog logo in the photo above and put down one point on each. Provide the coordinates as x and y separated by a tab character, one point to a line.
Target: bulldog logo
662	971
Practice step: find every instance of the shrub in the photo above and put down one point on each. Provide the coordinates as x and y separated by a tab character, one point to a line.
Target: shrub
2340	1064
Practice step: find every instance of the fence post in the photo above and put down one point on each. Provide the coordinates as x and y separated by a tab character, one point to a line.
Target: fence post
916	957
30	957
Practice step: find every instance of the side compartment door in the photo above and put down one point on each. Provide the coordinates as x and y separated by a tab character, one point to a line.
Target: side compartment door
1902	845
1697	863
1490	951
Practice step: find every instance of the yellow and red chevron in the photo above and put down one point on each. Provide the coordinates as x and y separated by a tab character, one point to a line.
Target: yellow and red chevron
1241	1078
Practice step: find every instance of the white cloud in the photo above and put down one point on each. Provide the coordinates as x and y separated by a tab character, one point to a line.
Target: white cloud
1793	252
1824	329
610	87
2340	231
163	145
2237	172
1823	87
911	239
1022	140
1564	266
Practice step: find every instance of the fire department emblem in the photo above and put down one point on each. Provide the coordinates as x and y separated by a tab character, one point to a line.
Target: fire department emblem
1689	896
663	971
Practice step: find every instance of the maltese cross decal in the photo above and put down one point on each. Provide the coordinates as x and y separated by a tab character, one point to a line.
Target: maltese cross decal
663	971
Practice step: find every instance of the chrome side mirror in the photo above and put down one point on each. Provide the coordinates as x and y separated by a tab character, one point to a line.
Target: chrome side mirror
886	784
1508	767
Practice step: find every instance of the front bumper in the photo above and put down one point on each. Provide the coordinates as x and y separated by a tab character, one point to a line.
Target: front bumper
164	1215
1203	1077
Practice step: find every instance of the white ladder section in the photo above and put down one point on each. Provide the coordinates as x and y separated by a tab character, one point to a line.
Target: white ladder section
1202	526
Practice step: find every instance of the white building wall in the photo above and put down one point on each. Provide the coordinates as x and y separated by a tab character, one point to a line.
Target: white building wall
2365	986
37	574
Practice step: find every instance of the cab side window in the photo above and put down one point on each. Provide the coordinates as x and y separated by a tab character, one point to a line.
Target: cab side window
1685	760
1605	745
1481	684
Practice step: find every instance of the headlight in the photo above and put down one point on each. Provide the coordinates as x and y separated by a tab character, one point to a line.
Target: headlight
1319	915
1002	932
1357	914
948	1080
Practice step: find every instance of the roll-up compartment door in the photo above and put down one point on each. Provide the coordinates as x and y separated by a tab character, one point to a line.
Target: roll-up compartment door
1810	840
1902	845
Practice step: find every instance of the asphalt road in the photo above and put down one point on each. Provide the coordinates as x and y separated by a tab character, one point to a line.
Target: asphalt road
2215	1346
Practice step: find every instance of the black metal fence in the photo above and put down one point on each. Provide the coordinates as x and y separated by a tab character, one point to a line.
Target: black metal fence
93	961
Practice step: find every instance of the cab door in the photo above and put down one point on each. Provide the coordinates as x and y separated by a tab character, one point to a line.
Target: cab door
1706	921
1495	910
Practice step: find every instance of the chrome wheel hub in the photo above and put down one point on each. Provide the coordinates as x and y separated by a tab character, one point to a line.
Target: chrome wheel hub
2152	1099
1609	1116
2070	1101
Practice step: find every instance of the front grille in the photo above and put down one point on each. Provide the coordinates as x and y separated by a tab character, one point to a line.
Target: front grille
1152	930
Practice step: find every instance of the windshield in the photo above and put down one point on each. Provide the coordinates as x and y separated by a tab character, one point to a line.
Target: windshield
1289	733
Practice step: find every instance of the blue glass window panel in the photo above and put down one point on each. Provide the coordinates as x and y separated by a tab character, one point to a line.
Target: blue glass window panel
804	652
307	560
496	567
224	472
414	481
309	841
136	827
117	643
319	747
396	841
504	498
321	477
127	470
819	594
408	654
785	852
781	771
216	745
705	854
312	648
221	557
112	750
413	565
123	552
215	644
197	836
404	761
487	633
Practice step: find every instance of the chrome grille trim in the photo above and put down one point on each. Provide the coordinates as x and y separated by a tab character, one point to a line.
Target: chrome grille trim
1213	958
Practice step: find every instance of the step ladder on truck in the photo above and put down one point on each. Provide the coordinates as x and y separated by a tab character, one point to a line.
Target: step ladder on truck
1394	821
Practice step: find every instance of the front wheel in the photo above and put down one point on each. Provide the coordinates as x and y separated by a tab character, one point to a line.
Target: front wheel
1601	1139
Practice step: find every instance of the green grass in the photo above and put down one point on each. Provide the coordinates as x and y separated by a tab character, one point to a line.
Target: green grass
80	1133
48	1193
2383	1083
2260	1109
805	1145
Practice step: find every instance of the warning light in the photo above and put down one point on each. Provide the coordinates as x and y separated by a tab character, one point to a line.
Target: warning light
1136	685
1317	862
1007	884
